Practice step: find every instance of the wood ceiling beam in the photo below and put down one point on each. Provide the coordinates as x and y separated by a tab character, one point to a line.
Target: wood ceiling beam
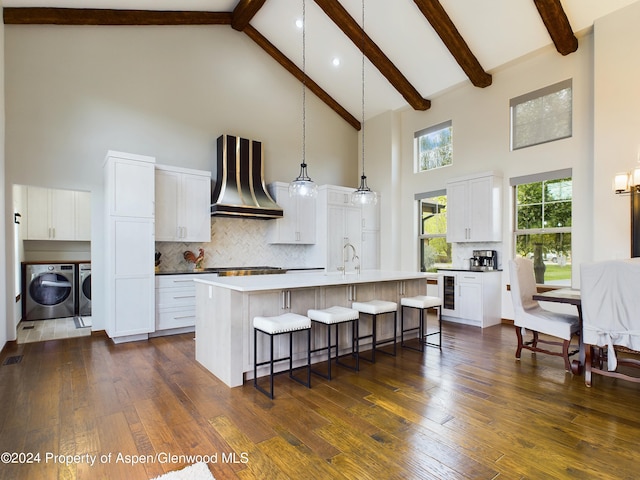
244	12
448	33
96	16
557	23
300	75
354	32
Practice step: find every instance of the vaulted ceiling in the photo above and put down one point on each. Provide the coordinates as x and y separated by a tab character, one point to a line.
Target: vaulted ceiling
414	49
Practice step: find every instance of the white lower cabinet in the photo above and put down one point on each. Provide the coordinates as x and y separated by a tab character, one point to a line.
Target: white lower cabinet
472	298
175	302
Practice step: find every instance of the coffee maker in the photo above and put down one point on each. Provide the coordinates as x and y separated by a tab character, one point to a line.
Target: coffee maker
484	260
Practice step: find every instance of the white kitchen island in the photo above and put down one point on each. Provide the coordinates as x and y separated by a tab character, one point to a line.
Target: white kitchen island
226	306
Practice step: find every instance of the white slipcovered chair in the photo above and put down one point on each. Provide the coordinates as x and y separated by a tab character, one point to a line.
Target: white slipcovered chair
610	294
530	316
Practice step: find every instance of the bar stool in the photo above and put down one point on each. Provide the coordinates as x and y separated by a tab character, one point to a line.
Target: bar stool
422	303
336	316
375	308
279	325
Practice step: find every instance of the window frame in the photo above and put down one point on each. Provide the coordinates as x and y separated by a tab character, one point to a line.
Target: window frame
514	182
536	95
428	131
421	234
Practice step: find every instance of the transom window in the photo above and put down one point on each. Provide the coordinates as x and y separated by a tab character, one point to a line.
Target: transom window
541	116
434	147
543	207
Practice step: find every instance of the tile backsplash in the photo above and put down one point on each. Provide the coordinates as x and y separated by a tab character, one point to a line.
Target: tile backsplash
235	242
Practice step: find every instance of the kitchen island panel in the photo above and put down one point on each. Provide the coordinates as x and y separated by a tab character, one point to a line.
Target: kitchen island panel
226	308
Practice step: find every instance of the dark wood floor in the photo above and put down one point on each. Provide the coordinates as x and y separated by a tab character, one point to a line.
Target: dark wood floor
471	411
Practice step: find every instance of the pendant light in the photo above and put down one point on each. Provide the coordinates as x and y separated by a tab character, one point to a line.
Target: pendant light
303	186
363	195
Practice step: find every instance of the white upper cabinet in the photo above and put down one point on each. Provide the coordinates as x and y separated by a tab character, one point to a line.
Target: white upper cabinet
474	209
298	223
132	180
183	204
55	214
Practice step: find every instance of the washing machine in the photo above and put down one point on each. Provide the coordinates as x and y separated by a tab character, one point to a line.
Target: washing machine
84	289
50	291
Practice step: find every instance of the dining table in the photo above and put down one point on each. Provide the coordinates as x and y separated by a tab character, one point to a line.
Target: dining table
569	296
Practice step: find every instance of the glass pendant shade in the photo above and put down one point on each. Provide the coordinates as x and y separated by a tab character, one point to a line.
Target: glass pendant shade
364	195
303	186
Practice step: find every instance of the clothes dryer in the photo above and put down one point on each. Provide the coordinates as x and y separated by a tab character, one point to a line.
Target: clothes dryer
50	291
84	289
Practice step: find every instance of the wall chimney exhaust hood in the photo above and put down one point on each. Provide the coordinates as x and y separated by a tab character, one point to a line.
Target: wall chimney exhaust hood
239	189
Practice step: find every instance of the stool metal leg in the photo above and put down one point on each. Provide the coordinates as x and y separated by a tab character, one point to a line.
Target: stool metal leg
354	346
384	342
271	361
439	332
421	330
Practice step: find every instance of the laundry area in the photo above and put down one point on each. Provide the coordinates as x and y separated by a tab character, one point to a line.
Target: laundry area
54	247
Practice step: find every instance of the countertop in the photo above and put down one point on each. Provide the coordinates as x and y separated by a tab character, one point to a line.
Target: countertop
469	270
213	271
305	280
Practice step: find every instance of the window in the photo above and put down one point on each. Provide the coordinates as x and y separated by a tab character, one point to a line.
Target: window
541	116
434	147
543	205
435	252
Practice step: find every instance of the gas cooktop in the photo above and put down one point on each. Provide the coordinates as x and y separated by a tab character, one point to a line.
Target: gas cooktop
238	271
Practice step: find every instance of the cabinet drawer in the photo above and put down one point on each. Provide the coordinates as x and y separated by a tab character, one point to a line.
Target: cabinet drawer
175	318
174	297
175	281
469	277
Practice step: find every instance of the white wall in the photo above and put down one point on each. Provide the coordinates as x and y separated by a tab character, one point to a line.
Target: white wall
481	143
167	92
6	284
616	126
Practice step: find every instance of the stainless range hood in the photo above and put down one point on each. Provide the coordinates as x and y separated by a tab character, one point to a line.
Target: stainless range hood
239	189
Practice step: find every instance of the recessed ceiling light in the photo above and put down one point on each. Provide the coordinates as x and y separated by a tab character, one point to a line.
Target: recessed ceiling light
299	23
335	62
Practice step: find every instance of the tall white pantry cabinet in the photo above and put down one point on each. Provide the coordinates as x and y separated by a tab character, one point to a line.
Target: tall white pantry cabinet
130	243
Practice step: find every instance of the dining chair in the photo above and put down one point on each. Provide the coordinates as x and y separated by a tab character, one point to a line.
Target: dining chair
529	316
611	318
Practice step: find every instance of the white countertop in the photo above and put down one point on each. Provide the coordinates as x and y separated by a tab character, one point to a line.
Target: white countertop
252	283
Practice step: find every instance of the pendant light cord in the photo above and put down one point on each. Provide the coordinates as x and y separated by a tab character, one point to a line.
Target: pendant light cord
363	45
304	84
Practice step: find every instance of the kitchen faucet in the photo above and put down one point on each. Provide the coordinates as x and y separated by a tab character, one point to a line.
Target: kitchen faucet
353	258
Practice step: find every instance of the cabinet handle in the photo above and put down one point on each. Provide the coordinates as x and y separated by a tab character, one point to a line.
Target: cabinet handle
184	232
184	316
286	299
54	232
184	296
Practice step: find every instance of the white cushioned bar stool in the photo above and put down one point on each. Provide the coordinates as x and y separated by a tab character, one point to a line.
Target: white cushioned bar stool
422	303
274	326
375	308
336	316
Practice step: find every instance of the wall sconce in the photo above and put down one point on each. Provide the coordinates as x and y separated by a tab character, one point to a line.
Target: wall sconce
624	183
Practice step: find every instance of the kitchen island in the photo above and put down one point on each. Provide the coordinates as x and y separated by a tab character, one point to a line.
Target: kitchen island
226	306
